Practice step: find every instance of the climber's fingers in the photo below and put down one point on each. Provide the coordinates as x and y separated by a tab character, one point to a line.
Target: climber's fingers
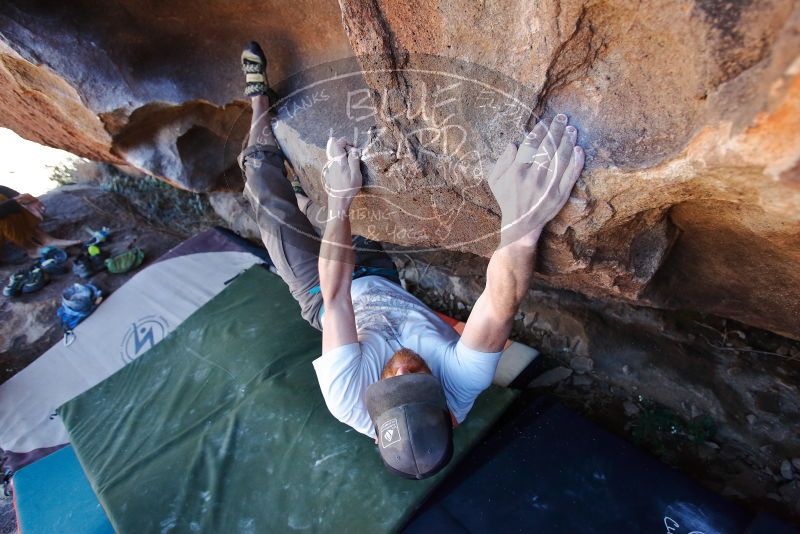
571	173
335	149
537	172
541	162
561	159
354	160
530	145
553	137
503	163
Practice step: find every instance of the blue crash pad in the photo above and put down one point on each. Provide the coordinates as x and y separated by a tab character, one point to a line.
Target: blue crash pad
53	495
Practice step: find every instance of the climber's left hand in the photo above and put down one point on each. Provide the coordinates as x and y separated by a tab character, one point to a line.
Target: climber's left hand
532	183
341	174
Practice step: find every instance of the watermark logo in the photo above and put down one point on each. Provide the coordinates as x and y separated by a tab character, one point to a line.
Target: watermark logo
142	335
428	136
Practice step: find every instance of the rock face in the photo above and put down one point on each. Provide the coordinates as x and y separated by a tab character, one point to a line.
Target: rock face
689	112
691	119
156	85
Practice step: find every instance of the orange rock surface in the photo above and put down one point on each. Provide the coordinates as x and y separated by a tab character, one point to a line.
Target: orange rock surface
689	113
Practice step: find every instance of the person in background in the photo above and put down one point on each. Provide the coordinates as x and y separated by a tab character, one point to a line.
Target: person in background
20	216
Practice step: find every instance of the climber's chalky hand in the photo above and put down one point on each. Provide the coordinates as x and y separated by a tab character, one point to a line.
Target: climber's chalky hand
532	183
341	175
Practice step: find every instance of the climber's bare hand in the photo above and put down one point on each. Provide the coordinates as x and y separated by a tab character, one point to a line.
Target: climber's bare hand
341	174
532	183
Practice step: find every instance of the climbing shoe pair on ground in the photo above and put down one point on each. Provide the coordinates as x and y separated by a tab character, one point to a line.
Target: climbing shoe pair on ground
26	281
51	261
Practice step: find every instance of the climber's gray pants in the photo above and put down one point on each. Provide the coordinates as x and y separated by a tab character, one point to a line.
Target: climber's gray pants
291	240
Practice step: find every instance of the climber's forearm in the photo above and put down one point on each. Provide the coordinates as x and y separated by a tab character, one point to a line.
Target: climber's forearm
342	176
508	278
336	262
336	256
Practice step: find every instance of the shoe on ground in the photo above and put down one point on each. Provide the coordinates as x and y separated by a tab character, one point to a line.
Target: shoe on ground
52	260
15	283
53	267
85	265
53	253
35	280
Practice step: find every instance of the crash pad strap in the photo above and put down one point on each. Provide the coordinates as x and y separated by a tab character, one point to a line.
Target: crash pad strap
222	427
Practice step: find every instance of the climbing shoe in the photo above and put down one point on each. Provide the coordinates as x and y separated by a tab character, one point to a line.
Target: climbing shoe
86	265
53	267
52	253
15	282
52	260
254	65
35	279
122	263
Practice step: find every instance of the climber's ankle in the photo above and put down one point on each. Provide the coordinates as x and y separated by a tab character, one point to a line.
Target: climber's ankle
260	101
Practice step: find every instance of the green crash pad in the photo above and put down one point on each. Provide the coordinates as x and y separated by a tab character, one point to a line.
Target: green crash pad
222	427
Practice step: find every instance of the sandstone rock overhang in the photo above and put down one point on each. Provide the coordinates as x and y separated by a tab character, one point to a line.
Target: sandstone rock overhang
690	115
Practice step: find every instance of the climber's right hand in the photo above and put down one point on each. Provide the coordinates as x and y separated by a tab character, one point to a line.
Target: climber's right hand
533	182
341	174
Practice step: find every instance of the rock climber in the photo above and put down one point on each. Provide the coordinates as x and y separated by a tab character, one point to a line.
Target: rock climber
390	367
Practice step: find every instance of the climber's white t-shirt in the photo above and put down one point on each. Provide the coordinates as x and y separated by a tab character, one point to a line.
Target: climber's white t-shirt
388	318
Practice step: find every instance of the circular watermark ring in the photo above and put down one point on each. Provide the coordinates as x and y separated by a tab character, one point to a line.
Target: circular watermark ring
427	139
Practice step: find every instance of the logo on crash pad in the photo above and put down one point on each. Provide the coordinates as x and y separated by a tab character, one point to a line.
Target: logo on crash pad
142	335
390	433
